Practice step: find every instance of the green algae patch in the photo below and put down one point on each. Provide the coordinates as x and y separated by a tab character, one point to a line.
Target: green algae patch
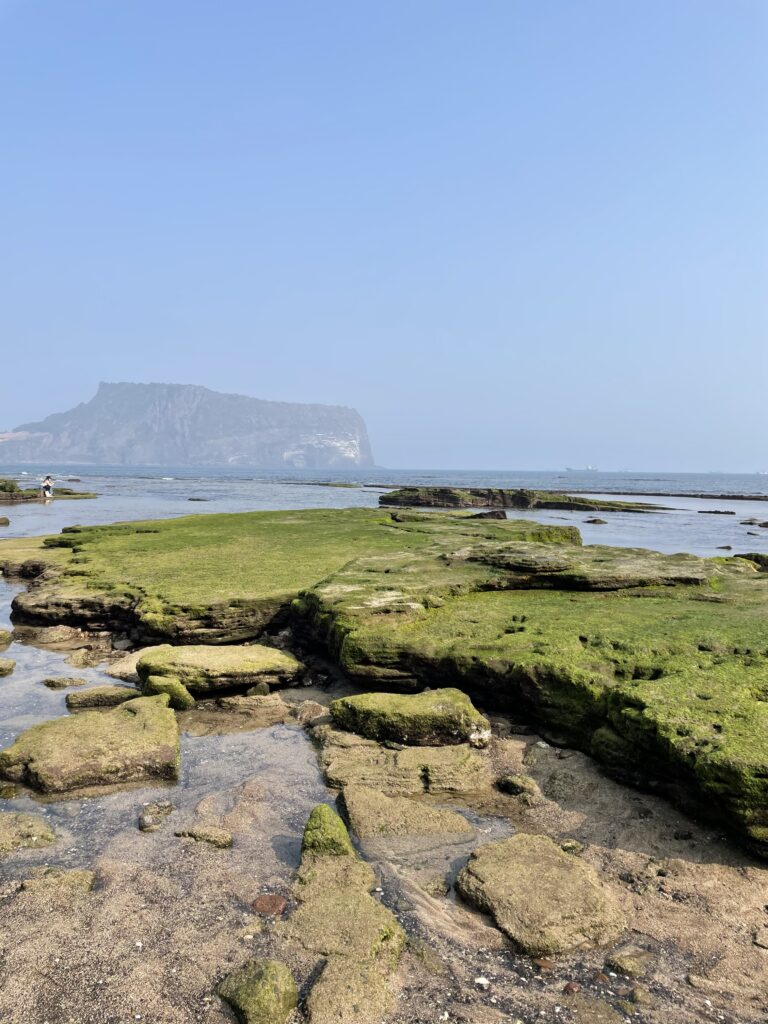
261	992
203	669
432	718
7	665
497	497
5	639
545	900
59	880
180	697
373	814
325	834
19	830
136	742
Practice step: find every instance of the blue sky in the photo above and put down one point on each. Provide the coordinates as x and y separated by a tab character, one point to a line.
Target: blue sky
513	234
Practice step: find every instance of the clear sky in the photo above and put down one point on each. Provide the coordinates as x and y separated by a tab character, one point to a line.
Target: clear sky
512	233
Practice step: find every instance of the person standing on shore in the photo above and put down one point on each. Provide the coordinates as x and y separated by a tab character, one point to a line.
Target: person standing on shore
47	487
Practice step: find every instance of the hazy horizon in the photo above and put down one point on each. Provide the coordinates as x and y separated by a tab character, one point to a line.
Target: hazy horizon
507	234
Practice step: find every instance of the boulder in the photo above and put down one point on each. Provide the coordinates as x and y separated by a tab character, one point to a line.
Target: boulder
23	830
431	718
546	901
372	815
325	834
100	697
261	992
180	697
137	741
5	521
204	670
522	786
349	992
347	759
7	665
63	682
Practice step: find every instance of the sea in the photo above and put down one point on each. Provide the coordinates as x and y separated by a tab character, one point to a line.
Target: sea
713	524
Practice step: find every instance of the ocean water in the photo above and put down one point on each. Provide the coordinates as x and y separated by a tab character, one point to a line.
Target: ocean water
166	492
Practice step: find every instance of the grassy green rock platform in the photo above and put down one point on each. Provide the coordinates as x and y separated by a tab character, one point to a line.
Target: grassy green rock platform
261	992
218	578
204	670
432	718
138	741
546	901
18	829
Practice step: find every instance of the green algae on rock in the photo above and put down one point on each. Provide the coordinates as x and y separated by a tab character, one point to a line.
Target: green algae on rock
218	578
373	814
64	880
261	992
18	829
180	697
204	670
498	497
325	834
5	638
218	837
137	741
347	759
431	718
653	663
100	697
546	901
7	665
339	920
63	682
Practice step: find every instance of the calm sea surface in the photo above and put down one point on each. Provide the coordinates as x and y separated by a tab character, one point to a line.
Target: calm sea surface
130	494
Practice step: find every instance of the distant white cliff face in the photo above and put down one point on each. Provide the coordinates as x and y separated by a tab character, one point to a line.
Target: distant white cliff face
187	425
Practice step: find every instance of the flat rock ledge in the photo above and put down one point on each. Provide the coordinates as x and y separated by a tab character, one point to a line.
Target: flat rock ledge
547	901
204	670
431	718
135	742
372	815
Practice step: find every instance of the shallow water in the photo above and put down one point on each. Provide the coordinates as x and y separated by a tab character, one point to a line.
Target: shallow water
130	495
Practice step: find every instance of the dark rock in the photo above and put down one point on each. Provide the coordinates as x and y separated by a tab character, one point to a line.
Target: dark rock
270	905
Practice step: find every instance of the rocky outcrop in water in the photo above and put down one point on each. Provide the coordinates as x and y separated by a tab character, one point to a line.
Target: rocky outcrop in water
186	425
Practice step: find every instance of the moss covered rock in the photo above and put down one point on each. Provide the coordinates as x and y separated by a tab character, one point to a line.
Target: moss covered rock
218	837
180	697
7	665
261	992
137	741
432	718
100	697
373	815
349	992
203	670
23	830
64	682
348	759
325	834
5	638
546	901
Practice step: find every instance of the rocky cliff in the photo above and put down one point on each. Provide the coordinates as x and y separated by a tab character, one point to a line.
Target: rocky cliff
187	425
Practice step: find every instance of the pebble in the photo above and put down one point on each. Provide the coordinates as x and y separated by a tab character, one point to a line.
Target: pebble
544	964
571	988
270	904
482	982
